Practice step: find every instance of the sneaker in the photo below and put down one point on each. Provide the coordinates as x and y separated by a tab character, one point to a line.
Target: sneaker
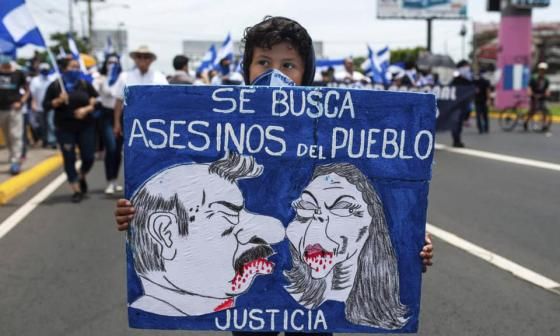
77	197
15	168
458	144
118	188
83	185
110	190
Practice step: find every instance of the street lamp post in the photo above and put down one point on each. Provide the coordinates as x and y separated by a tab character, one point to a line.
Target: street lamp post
463	33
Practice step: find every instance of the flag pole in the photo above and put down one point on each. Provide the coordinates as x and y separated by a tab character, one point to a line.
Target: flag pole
57	70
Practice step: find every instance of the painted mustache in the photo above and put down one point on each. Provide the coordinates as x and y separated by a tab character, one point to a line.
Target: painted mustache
255	253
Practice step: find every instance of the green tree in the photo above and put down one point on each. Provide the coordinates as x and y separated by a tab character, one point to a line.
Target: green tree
406	54
61	40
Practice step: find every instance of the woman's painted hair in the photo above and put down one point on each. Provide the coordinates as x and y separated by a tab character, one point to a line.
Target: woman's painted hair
374	299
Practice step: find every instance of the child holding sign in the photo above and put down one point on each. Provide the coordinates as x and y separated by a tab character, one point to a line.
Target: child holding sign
276	49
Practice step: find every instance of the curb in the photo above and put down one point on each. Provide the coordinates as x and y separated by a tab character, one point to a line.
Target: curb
496	115
20	183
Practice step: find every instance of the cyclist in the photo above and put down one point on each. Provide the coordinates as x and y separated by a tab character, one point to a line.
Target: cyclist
539	92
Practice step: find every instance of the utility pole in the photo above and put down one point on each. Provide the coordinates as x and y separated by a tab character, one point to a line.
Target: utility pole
90	25
70	17
463	33
429	42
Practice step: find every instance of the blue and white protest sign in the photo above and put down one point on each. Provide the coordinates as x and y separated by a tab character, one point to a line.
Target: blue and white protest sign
276	208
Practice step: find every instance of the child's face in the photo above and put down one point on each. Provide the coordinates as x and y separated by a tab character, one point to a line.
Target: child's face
282	57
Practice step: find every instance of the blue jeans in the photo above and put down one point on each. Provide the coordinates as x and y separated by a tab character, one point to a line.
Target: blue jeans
49	137
113	145
84	139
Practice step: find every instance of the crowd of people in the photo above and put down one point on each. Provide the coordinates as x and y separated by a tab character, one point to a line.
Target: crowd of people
83	109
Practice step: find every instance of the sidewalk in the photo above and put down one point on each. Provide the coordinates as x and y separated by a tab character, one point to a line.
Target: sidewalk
37	165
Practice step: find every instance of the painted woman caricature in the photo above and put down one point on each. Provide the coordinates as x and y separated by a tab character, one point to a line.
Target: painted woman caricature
341	249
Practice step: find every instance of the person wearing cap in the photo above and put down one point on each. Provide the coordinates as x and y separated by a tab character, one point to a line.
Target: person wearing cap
142	74
539	92
13	95
37	88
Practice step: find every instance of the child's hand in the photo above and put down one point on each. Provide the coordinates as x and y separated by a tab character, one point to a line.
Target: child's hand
427	253
124	213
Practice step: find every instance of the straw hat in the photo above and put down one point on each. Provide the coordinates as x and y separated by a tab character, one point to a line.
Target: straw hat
144	50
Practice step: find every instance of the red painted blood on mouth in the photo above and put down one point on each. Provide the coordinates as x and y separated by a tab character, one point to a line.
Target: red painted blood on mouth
252	268
315	256
228	303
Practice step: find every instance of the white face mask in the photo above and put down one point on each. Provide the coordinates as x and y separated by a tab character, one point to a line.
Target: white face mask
465	72
273	77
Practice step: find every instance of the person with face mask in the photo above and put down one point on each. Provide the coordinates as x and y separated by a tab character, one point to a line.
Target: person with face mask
38	87
13	95
278	52
109	74
75	126
463	77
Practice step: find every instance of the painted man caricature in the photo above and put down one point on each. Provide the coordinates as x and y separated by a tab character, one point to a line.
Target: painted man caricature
195	247
341	249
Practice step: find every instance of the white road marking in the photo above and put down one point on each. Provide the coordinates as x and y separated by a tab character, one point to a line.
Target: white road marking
500	157
494	259
22	212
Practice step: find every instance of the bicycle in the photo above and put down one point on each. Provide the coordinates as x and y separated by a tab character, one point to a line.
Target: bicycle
536	119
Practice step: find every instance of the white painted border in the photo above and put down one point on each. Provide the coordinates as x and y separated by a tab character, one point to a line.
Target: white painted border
500	157
494	259
22	212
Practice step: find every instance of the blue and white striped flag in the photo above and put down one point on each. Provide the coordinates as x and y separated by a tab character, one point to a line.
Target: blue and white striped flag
76	53
208	60
226	50
61	52
516	77
324	64
376	64
17	26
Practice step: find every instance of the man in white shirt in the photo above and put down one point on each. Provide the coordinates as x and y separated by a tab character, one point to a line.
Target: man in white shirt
140	75
38	88
348	75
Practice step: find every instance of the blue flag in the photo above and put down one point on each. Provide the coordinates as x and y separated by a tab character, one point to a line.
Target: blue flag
226	50
17	25
208	60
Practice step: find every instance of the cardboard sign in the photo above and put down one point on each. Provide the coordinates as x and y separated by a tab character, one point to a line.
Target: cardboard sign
276	209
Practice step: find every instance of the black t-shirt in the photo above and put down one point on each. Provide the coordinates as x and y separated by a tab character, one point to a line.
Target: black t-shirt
482	86
10	88
64	118
539	85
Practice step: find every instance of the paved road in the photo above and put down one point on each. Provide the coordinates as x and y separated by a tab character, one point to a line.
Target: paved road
62	269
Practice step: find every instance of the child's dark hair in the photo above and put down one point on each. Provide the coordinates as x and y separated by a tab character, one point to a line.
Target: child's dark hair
276	29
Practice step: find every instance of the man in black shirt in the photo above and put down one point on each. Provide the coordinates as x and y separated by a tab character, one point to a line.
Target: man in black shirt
13	95
481	102
539	92
463	78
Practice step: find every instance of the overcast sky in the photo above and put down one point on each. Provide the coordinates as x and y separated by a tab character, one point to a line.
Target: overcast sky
344	26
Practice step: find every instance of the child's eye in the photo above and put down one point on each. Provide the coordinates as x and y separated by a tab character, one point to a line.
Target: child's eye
263	63
289	65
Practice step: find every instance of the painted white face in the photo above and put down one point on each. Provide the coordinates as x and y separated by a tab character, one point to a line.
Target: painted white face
226	246
331	224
